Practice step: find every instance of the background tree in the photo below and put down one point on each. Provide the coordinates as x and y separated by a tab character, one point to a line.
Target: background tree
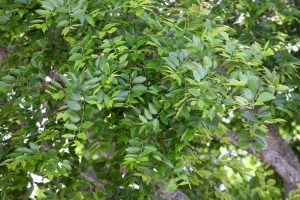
128	99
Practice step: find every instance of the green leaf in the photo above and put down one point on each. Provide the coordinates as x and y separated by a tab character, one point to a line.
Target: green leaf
265	96
74	105
207	62
282	88
74	117
234	82
273	121
44	13
171	185
63	23
241	100
168	162
72	127
58	95
87	125
201	104
210	95
139	79
143	119
197	42
152	108
133	149
155	124
271	182
24	150
211	113
183	136
109	26
123	58
90	20
248	93
196	75
68	135
33	146
82	135
156	157
75	56
66	164
148	115
139	88
149	149
195	92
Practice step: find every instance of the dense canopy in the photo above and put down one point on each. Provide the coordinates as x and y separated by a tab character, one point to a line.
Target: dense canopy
149	99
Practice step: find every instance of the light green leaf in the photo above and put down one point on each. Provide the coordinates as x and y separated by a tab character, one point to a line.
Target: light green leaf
58	95
87	125
156	157
207	62
234	82
195	92
68	135
201	104
147	113
152	108
149	148
171	185
156	124
75	56
273	121
196	75
133	149
143	119
123	58
82	135
72	127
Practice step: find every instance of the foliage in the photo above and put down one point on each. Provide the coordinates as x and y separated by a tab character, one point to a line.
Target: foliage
135	91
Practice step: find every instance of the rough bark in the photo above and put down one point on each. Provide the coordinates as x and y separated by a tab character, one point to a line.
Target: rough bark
173	195
278	154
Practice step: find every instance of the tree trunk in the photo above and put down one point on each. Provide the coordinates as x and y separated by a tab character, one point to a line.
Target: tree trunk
279	155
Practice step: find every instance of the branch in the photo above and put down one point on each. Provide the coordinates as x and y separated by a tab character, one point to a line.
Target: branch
278	154
174	195
91	177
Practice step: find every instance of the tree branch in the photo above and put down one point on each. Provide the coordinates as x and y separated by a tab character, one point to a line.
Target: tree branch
278	154
91	177
173	195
